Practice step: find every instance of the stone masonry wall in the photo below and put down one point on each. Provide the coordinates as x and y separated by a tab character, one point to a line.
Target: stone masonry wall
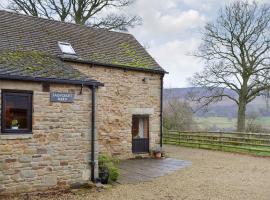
124	94
56	155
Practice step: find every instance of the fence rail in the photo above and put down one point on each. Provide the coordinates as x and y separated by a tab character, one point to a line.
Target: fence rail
225	141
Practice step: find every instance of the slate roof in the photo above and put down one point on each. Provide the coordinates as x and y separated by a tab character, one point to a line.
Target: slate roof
36	66
99	46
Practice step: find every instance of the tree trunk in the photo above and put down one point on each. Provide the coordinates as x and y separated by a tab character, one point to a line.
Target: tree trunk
241	118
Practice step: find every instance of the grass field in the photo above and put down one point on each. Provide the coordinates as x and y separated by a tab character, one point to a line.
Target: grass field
224	123
257	144
227	149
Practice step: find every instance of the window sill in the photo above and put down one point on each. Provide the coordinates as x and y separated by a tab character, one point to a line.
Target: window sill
16	137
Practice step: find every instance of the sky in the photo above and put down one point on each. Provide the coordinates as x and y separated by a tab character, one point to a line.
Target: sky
171	32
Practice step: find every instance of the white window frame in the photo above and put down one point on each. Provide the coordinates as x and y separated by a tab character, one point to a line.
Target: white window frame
71	51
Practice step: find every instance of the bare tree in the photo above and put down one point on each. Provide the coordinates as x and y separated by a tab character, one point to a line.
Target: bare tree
94	13
178	115
252	124
236	51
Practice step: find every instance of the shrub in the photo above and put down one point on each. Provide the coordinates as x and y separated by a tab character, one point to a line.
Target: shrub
107	162
113	173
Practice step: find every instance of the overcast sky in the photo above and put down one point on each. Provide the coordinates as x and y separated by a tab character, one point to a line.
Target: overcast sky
171	30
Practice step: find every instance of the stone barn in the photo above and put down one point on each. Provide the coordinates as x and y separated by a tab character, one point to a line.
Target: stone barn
69	92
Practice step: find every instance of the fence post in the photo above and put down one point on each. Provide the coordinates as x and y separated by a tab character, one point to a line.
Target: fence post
249	146
220	146
199	139
178	137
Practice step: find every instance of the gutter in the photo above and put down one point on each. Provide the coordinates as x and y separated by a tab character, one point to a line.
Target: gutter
124	67
51	80
161	110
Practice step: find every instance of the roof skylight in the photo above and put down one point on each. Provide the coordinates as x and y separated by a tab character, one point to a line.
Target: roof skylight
66	48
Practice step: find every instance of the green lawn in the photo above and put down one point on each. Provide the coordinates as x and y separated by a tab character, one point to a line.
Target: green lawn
260	151
220	122
226	123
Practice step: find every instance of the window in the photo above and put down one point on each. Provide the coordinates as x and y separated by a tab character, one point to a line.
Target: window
66	48
16	111
140	126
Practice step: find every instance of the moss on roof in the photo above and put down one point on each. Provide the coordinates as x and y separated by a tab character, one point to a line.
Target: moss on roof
135	59
20	32
132	57
37	65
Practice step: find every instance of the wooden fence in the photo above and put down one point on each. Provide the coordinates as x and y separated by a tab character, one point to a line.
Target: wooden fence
237	142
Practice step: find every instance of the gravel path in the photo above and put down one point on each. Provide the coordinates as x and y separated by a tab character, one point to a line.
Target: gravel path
212	175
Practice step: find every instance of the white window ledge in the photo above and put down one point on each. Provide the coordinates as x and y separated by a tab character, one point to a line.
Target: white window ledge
16	137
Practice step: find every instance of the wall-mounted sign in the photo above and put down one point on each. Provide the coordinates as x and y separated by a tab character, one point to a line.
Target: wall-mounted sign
62	97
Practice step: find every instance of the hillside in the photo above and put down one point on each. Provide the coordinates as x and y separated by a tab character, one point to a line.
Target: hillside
225	108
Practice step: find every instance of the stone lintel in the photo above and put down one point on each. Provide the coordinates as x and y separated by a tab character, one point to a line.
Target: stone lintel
142	111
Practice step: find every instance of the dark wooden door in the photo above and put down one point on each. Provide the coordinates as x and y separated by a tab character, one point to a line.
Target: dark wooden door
140	134
140	145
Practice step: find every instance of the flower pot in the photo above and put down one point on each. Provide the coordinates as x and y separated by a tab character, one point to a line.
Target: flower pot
14	127
104	176
158	155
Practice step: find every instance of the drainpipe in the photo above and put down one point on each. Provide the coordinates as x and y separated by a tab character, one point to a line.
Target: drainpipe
93	132
161	110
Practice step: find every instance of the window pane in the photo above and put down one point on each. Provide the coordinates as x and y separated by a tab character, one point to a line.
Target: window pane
146	127
135	127
140	127
66	48
16	111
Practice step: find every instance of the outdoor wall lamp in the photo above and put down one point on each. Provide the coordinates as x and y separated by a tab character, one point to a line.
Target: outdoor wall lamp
145	80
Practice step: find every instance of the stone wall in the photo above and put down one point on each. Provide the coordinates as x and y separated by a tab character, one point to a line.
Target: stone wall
58	151
125	93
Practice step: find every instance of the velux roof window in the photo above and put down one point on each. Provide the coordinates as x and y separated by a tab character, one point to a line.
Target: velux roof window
66	48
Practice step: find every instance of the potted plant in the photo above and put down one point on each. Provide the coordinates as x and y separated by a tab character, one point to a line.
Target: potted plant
14	124
108	170
157	152
104	174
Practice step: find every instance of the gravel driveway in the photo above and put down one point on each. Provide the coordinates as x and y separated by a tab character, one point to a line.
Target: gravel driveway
212	175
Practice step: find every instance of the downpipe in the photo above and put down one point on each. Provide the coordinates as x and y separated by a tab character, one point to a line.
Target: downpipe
161	110
93	133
